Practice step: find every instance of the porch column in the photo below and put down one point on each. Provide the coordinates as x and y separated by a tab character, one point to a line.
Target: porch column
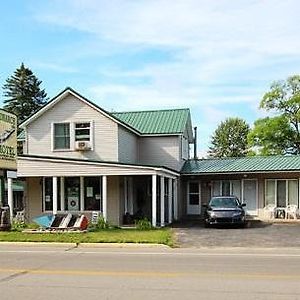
162	201
54	184
10	198
154	187
62	193
82	193
126	194
170	194
175	200
104	197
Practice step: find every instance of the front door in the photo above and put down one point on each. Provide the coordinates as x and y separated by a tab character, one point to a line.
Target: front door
193	198
250	195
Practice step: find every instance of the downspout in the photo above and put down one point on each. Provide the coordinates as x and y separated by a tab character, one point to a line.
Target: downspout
195	143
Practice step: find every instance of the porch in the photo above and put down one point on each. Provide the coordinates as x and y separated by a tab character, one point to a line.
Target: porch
120	193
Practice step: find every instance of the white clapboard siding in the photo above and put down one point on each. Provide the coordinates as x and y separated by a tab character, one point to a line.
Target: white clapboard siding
36	167
128	146
161	151
72	109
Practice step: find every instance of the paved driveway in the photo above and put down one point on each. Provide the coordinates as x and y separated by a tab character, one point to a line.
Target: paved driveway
257	234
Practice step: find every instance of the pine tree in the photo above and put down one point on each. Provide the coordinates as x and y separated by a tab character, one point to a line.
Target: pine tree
23	93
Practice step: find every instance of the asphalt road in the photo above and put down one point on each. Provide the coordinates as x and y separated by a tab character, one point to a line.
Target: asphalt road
63	272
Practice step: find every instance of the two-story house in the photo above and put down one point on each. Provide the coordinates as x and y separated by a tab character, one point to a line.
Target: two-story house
81	158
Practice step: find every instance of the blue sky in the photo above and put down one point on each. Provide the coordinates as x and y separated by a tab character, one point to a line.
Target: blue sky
215	57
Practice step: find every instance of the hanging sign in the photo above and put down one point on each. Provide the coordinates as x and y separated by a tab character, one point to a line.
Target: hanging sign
8	140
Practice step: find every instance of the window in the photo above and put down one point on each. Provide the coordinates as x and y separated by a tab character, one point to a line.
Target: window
92	193
184	148
281	192
61	136
48	193
83	131
66	135
72	193
227	188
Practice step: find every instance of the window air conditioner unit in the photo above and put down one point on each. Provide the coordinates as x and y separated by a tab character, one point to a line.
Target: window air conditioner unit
82	145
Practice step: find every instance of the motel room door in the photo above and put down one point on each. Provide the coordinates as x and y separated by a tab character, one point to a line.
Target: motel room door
194	198
250	195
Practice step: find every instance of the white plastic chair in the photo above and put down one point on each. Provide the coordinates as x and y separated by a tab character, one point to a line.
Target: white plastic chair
20	216
269	211
291	211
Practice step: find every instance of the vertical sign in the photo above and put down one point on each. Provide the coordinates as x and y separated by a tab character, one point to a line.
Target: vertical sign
8	140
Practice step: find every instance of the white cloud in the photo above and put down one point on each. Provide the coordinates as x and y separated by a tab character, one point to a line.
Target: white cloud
220	52
53	67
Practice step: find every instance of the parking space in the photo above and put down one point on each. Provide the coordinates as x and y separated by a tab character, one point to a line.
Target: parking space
256	235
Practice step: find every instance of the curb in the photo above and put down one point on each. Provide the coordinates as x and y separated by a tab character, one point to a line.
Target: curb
87	245
56	244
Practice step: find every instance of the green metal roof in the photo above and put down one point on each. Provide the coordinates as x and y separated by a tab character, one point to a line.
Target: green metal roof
21	136
156	121
255	164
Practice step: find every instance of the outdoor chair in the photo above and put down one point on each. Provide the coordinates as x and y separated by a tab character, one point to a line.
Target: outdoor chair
292	211
20	216
269	211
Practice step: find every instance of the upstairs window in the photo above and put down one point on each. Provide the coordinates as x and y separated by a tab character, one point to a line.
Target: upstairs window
83	131
62	136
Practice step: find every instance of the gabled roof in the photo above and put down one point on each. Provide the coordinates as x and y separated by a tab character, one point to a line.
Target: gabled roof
168	121
255	164
62	95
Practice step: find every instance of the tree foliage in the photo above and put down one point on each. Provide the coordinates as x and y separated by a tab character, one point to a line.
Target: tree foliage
230	139
23	93
279	134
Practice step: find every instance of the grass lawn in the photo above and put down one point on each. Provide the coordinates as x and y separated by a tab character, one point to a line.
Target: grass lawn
155	236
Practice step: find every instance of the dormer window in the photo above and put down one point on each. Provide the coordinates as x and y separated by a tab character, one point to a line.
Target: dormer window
61	136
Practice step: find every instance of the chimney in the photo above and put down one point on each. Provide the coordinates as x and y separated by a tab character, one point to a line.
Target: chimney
195	142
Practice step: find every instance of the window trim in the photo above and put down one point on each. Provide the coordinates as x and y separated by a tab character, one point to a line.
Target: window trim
185	149
72	134
286	188
53	137
91	128
191	193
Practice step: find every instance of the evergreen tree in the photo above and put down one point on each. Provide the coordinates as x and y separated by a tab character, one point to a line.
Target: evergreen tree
230	139
23	93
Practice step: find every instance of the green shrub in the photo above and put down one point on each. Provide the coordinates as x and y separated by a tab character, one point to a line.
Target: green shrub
100	225
143	224
18	225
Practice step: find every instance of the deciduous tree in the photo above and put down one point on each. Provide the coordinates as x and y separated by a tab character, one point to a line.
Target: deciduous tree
230	139
279	133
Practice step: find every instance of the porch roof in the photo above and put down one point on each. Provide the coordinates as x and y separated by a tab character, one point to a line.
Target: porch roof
36	165
255	164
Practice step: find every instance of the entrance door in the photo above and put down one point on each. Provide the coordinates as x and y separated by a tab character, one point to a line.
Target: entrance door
193	198
250	195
